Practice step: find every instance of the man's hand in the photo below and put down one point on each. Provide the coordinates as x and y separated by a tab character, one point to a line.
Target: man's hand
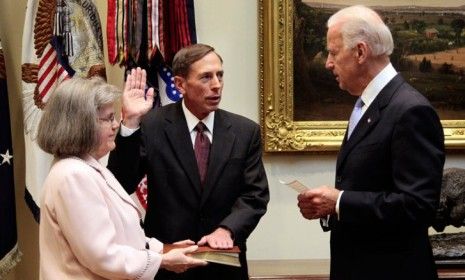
136	102
219	239
318	203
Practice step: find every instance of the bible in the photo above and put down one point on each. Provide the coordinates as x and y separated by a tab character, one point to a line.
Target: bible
206	253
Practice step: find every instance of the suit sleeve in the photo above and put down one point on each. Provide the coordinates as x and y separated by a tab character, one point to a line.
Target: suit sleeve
251	204
417	159
125	161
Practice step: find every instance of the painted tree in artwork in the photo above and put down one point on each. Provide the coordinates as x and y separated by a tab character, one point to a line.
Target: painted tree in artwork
457	25
309	38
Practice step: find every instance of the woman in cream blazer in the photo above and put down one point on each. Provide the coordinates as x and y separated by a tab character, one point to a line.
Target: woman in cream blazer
90	228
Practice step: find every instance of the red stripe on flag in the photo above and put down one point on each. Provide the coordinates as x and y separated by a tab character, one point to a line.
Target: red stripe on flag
50	51
50	83
45	73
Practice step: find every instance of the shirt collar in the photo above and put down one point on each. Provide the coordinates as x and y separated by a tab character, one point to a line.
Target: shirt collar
192	120
377	84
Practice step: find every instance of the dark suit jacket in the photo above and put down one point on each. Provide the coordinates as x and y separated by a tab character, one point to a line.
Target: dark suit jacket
390	170
235	194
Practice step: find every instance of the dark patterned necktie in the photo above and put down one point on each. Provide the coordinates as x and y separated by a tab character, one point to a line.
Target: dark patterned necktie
202	150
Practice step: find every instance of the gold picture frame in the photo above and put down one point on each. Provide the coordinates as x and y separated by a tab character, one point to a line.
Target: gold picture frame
280	132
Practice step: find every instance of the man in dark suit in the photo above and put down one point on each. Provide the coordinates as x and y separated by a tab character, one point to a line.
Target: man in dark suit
218	205
389	168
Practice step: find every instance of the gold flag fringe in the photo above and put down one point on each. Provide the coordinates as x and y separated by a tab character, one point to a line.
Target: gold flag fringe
10	261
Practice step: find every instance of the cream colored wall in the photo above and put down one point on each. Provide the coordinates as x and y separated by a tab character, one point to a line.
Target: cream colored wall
230	26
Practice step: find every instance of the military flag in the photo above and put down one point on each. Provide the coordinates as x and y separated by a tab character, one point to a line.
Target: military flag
9	253
147	34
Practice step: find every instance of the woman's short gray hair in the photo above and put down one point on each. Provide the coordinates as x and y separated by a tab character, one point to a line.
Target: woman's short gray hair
362	24
69	124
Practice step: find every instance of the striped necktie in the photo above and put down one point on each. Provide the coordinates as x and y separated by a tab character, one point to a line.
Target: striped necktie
202	150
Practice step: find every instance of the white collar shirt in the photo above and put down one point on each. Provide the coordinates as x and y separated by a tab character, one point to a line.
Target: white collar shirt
192	121
376	85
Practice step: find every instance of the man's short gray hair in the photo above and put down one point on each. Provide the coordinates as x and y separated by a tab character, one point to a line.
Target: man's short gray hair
362	24
187	56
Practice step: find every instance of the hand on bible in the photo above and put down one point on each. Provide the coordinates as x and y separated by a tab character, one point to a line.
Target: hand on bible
219	239
318	203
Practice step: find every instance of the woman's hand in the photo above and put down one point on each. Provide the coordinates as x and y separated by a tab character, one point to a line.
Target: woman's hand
184	242
177	260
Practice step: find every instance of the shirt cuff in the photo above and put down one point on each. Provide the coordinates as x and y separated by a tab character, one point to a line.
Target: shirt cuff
337	204
325	221
155	245
152	266
126	131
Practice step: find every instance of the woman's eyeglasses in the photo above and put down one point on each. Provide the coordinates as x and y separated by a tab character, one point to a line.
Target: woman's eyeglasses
110	119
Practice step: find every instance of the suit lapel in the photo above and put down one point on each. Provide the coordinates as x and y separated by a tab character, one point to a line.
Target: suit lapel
179	138
364	126
223	141
369	119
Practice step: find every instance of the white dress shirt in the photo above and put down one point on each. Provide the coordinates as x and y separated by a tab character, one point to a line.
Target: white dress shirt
191	120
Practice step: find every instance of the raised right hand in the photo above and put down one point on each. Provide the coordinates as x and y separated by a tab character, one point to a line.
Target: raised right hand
177	260
136	102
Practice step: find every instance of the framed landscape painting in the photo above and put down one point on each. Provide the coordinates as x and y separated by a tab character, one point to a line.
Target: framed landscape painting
302	108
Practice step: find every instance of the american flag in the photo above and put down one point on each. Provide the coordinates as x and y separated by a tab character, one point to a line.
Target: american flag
53	69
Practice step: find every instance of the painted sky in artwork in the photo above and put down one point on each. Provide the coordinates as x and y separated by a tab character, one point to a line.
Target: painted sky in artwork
430	3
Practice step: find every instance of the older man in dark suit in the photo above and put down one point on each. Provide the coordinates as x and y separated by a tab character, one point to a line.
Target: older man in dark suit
206	180
389	168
